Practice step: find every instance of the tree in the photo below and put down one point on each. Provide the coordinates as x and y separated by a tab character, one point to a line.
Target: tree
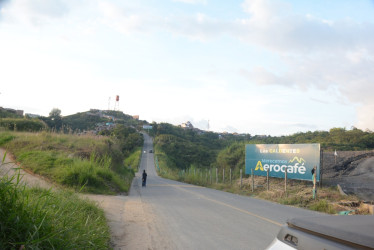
55	113
55	119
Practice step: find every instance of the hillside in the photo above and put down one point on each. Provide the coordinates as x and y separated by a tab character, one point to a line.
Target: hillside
90	121
186	147
180	151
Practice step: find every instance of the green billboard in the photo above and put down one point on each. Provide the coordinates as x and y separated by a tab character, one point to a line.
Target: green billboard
297	159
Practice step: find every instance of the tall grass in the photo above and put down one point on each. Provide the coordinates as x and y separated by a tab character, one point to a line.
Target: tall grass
72	161
133	161
34	218
323	206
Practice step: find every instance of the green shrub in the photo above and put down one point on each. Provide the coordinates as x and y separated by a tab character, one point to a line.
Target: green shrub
21	124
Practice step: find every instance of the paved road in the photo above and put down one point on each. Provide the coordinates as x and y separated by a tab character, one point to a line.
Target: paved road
193	217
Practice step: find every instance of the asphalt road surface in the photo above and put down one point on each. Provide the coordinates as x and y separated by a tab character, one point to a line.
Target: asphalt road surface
193	217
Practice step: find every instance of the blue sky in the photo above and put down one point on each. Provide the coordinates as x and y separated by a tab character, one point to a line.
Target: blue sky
253	66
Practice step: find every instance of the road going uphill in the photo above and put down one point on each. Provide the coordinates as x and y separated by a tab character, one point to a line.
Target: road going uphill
193	217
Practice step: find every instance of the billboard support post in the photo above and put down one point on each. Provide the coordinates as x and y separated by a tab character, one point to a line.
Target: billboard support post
314	182
321	169
267	180
253	180
285	182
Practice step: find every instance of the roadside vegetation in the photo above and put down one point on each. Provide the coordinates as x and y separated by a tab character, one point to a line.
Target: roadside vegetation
23	124
95	163
72	153
299	193
33	218
194	157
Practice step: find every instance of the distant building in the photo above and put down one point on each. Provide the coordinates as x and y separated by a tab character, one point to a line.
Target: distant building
260	136
136	117
19	112
14	111
187	125
28	115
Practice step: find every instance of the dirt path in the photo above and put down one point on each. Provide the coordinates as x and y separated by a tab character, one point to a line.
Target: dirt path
8	167
131	221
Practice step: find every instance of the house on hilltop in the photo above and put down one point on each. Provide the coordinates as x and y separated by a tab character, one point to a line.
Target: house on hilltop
187	125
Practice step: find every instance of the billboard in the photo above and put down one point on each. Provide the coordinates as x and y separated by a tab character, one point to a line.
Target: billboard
147	127
297	159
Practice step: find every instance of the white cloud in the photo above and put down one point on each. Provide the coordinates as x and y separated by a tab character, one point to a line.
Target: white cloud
326	54
365	117
264	12
120	18
34	12
192	1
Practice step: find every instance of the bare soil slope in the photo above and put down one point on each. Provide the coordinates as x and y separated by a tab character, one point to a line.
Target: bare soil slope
353	171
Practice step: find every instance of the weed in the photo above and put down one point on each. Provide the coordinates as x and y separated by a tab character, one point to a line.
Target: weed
322	206
35	218
5	137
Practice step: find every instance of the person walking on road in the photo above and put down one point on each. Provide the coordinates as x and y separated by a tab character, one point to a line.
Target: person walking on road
144	178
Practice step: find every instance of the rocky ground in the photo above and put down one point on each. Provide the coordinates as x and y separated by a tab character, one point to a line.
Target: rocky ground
352	170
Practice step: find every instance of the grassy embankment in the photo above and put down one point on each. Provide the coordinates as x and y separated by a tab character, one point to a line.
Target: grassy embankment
94	163
41	219
299	193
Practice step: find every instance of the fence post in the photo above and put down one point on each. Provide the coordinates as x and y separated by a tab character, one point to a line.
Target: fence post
253	180
241	178
223	176
321	168
216	175
230	177
210	175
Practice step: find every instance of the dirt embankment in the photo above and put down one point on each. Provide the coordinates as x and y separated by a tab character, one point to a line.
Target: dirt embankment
352	170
